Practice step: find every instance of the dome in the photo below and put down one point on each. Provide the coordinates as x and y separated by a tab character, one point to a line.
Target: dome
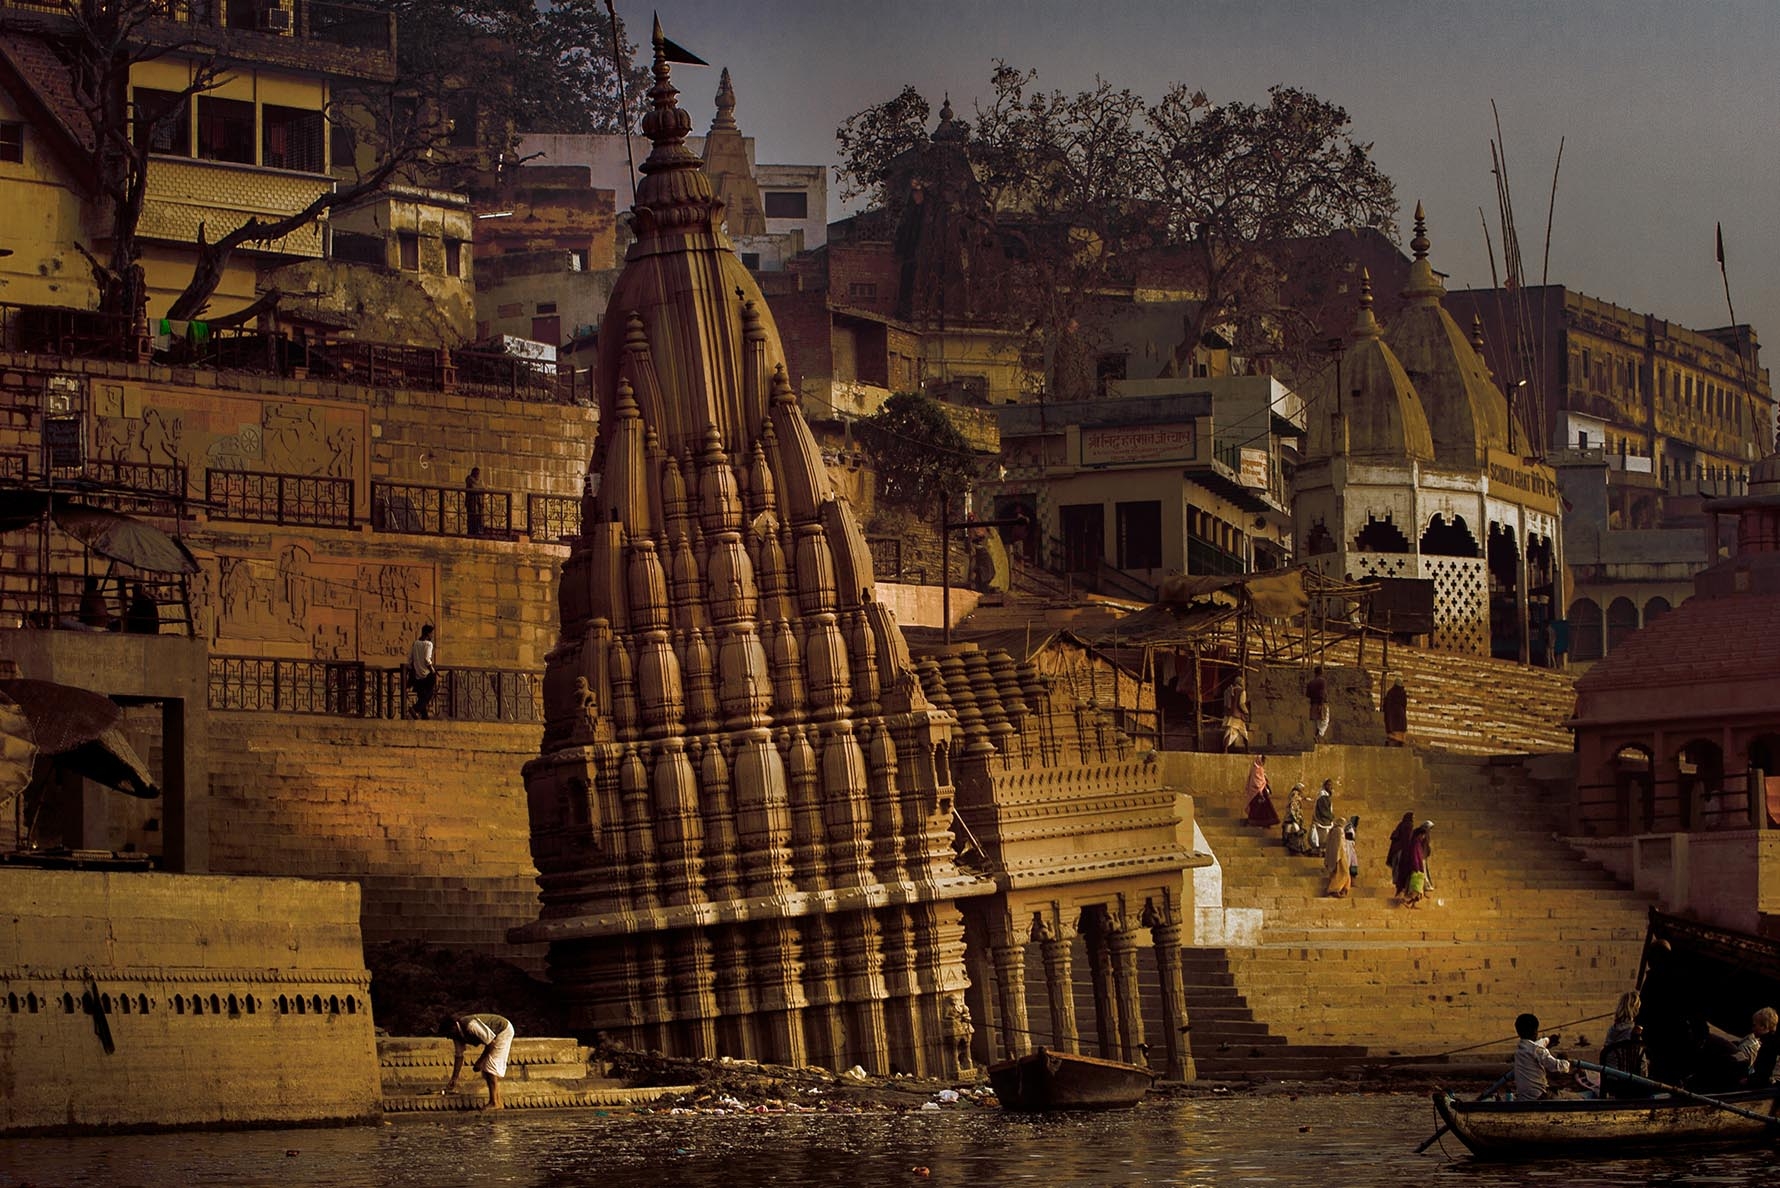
1384	417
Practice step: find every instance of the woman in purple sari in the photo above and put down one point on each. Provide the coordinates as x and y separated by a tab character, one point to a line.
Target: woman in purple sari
1261	812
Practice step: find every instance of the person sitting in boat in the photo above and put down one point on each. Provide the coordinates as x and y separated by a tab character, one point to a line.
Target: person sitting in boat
1534	1062
1624	1050
1261	812
1767	1048
1674	1026
1293	833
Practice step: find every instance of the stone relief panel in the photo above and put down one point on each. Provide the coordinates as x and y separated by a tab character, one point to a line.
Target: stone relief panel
227	431
287	601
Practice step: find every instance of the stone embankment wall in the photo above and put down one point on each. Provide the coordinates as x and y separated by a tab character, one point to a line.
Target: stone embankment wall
429	818
151	1000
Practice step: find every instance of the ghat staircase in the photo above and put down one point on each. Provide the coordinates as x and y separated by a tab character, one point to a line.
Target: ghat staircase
1516	922
542	1073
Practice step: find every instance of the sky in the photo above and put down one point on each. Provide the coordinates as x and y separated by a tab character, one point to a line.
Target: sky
1669	111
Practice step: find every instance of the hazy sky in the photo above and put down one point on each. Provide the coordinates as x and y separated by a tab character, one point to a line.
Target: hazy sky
1670	111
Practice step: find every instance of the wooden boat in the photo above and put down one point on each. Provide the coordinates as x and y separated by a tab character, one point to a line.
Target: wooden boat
1512	1129
1051	1080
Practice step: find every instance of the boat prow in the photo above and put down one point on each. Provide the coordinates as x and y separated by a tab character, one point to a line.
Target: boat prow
1051	1080
1519	1129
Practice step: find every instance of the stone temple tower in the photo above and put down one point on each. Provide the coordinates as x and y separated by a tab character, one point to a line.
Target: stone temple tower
740	813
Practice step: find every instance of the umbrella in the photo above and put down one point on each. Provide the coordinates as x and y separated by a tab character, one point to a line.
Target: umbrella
108	533
80	730
124	538
18	749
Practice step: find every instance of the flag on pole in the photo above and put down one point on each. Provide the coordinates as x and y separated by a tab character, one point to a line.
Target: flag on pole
673	52
1721	244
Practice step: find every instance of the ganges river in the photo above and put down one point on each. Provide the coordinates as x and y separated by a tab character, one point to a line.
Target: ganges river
1329	1141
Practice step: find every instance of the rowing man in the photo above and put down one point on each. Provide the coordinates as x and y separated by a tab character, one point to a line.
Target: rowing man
1534	1062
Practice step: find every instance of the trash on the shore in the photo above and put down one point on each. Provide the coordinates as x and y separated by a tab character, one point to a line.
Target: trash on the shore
947	1095
930	1105
857	1072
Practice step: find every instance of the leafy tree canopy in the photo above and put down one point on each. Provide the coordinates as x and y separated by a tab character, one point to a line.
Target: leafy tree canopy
1086	191
918	452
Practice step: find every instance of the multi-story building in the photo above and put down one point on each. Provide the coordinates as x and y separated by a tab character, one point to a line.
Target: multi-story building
255	144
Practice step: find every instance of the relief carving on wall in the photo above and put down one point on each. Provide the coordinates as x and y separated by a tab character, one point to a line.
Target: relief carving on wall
287	601
224	431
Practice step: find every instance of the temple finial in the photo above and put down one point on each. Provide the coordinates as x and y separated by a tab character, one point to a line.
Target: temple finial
1419	245
724	120
1477	333
1365	324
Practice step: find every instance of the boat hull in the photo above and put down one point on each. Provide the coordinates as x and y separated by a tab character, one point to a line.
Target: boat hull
1512	1129
1047	1080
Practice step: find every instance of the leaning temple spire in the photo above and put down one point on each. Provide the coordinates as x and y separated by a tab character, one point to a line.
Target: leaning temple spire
740	810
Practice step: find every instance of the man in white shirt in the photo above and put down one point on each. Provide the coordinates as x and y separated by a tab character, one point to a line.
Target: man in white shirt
1534	1062
495	1034
422	673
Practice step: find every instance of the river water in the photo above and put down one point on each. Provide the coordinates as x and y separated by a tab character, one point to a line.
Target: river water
1330	1141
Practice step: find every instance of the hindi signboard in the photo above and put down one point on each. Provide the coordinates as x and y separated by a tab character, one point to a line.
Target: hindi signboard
1254	469
1124	445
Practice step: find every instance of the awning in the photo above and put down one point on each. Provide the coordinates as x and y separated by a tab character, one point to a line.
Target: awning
1277	593
18	749
80	730
113	535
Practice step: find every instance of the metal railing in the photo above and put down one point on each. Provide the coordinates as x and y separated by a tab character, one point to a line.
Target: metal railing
886	557
553	517
80	333
161	478
426	510
351	689
349	25
265	497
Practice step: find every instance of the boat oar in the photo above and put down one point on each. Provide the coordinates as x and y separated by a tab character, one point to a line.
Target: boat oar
1490	1092
1675	1090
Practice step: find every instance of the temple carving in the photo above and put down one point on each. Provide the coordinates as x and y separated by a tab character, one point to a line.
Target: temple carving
745	815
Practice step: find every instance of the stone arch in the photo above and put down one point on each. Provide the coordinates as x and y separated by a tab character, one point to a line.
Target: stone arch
1655	609
1448	538
1585	629
1381	536
1502	558
1699	784
1622	620
1634	777
1318	540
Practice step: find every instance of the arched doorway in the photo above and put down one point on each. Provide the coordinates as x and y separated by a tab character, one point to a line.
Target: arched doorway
1448	538
1585	629
1655	609
1634	779
1540	609
1503	562
1699	785
1381	536
1622	620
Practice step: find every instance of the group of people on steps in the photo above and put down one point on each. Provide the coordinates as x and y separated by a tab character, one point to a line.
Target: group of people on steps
1324	835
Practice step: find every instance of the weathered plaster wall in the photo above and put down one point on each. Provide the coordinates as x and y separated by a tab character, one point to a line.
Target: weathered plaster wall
227	1001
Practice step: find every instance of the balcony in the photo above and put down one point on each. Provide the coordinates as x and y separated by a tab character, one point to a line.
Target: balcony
183	192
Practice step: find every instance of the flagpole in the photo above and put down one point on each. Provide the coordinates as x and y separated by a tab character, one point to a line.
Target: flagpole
1736	333
623	103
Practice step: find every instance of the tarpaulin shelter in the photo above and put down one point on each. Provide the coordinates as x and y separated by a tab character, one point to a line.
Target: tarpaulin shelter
110	534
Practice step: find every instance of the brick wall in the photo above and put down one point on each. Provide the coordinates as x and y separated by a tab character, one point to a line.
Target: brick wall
220	997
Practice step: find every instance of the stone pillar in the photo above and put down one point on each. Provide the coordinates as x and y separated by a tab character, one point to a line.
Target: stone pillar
1165	937
1055	944
1121	941
1009	953
1106	1021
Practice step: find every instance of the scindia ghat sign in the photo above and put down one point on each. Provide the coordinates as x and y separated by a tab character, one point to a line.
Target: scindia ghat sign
1113	445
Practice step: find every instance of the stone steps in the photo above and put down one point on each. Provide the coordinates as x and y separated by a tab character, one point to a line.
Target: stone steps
542	1073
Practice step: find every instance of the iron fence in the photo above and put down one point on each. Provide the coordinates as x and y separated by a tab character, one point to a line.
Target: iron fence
426	510
553	517
266	497
351	689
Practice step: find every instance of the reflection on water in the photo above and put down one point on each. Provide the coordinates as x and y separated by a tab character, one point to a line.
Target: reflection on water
1353	1141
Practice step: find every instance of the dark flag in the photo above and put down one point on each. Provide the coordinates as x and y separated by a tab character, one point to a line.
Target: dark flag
1721	243
673	52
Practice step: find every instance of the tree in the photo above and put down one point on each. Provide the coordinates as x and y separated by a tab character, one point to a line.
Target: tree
1086	193
919	455
529	69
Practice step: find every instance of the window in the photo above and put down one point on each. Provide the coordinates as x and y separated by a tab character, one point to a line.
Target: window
454	257
225	130
408	251
577	259
1109	366
162	120
786	204
463	120
342	145
12	142
1140	535
292	139
862	290
547	329
751	261
1581	439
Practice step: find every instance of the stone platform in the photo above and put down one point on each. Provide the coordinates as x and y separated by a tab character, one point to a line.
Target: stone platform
542	1073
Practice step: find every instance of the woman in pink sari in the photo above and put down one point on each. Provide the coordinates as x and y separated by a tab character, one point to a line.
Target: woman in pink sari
1261	812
